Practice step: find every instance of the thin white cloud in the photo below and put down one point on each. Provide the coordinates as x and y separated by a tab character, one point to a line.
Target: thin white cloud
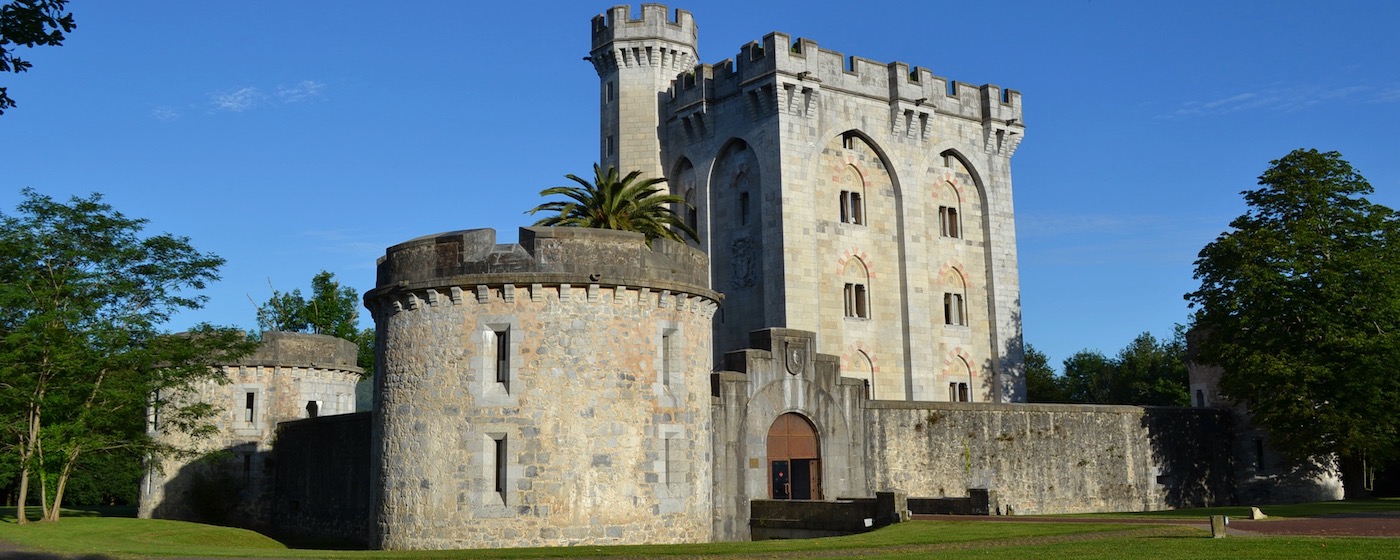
238	100
1285	98
302	91
165	113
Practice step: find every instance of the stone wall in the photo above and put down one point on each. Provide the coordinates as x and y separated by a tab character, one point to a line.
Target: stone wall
230	479
322	478
551	392
1053	458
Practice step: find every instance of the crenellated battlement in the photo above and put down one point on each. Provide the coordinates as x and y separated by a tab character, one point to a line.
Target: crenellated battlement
617	24
803	66
547	256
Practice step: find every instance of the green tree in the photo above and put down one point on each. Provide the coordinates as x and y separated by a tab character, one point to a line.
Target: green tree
1151	372
627	204
30	23
1300	306
82	296
1042	385
1089	376
332	309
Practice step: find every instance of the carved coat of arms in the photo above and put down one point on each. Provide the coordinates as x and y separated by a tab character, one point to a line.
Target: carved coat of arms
796	357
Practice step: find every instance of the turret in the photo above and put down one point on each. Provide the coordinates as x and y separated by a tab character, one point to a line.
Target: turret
636	60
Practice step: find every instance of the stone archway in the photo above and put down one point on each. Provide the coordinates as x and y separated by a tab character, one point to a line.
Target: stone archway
794	459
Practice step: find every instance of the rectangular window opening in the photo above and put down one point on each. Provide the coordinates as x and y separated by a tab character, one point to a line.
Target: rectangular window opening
743	208
954	311
501	462
608	146
666	460
861	307
503	357
948	221
667	357
852	208
249	399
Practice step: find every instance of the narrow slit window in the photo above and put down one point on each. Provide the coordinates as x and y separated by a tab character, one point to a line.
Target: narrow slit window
743	208
668	342
666	460
249	400
501	462
503	357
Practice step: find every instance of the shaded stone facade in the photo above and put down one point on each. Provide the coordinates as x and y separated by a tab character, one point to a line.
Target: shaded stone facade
291	375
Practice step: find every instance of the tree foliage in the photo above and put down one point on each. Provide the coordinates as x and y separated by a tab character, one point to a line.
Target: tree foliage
81	354
332	309
1300	304
1041	383
1148	371
29	23
627	204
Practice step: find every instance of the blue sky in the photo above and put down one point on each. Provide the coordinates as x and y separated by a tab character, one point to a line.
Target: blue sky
291	137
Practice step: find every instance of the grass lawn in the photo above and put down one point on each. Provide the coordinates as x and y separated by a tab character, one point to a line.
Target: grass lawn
90	534
1381	505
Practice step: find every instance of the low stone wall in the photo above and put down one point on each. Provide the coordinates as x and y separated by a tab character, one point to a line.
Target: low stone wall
1053	458
979	501
323	478
805	519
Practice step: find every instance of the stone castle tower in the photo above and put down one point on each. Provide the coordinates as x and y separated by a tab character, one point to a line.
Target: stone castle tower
867	202
636	62
550	392
291	376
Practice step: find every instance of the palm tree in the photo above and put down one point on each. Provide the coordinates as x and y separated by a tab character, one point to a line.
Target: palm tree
628	204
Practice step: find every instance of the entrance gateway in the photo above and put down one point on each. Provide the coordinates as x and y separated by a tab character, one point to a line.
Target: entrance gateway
794	459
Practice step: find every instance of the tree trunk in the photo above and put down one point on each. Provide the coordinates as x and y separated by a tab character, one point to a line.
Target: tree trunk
20	514
27	449
72	459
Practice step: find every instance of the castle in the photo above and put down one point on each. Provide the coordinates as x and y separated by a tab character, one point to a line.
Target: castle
847	324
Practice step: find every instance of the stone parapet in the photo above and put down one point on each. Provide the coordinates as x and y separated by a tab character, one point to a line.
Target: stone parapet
579	257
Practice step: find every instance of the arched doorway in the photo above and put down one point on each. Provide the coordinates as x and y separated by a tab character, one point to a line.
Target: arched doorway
794	459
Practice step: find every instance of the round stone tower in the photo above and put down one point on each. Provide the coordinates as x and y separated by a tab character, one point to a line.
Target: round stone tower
551	392
636	60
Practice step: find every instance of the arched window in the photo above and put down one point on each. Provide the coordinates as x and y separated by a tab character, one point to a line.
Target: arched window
856	292
852	196
863	369
683	184
960	383
949	211
954	299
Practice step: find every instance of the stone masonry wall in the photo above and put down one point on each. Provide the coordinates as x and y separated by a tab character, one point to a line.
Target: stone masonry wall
231	481
1053	458
599	431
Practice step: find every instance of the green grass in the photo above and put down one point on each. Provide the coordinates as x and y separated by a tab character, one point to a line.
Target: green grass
83	532
1315	509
